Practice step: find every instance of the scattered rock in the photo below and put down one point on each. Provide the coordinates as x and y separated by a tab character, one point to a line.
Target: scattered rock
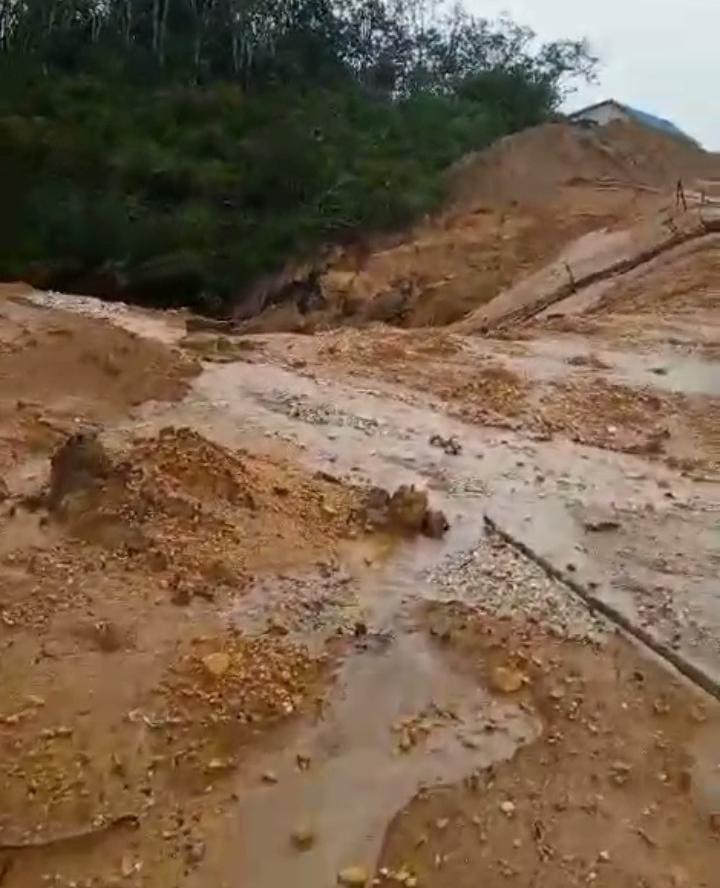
507	680
128	866
302	838
620	772
353	877
81	463
108	636
408	508
216	664
269	777
450	445
590	360
600	524
508	808
435	524
216	765
194	852
181	596
405	743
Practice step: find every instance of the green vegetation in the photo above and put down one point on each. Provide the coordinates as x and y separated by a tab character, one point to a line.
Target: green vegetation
175	150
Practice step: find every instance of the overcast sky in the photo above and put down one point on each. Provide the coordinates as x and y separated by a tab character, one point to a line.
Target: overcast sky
662	56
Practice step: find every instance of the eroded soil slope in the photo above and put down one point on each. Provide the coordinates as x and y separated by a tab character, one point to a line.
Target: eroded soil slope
511	209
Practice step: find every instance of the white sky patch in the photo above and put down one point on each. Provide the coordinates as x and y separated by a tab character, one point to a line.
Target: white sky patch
661	56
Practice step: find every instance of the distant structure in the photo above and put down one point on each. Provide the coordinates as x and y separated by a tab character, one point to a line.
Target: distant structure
609	110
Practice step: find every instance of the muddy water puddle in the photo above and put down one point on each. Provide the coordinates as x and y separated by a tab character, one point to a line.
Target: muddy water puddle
359	774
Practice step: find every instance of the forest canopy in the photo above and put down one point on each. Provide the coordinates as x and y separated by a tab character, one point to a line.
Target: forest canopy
173	151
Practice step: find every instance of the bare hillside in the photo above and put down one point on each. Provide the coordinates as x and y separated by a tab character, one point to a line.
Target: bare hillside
511	209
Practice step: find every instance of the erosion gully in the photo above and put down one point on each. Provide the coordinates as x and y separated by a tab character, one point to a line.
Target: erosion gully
540	492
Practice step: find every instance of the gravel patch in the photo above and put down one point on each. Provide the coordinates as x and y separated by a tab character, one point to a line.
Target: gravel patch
313	413
498	581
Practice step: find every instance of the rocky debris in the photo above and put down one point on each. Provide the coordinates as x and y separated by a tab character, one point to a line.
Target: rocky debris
406	510
302	838
597	525
412	730
306	410
108	636
610	415
498	581
435	524
244	681
80	464
450	445
216	664
353	877
506	679
589	360
4	490
508	808
620	772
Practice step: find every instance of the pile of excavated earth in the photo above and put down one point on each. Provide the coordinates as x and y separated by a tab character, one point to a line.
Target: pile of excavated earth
428	597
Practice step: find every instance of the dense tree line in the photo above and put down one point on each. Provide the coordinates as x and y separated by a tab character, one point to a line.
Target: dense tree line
218	138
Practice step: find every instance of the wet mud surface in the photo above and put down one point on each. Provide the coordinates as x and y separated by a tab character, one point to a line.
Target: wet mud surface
219	672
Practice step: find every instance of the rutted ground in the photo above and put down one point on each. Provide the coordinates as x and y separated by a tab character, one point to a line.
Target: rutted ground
220	668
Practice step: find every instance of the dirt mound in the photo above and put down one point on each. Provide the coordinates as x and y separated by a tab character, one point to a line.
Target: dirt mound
511	209
194	513
530	166
61	373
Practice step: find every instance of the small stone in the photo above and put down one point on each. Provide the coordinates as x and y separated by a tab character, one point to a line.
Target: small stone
128	866
508	808
661	706
604	856
435	524
442	823
194	852
302	838
181	597
216	664
269	777
698	713
221	764
34	700
620	772
353	877
506	680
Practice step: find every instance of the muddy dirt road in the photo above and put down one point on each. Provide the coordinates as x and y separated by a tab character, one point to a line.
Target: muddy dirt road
219	669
